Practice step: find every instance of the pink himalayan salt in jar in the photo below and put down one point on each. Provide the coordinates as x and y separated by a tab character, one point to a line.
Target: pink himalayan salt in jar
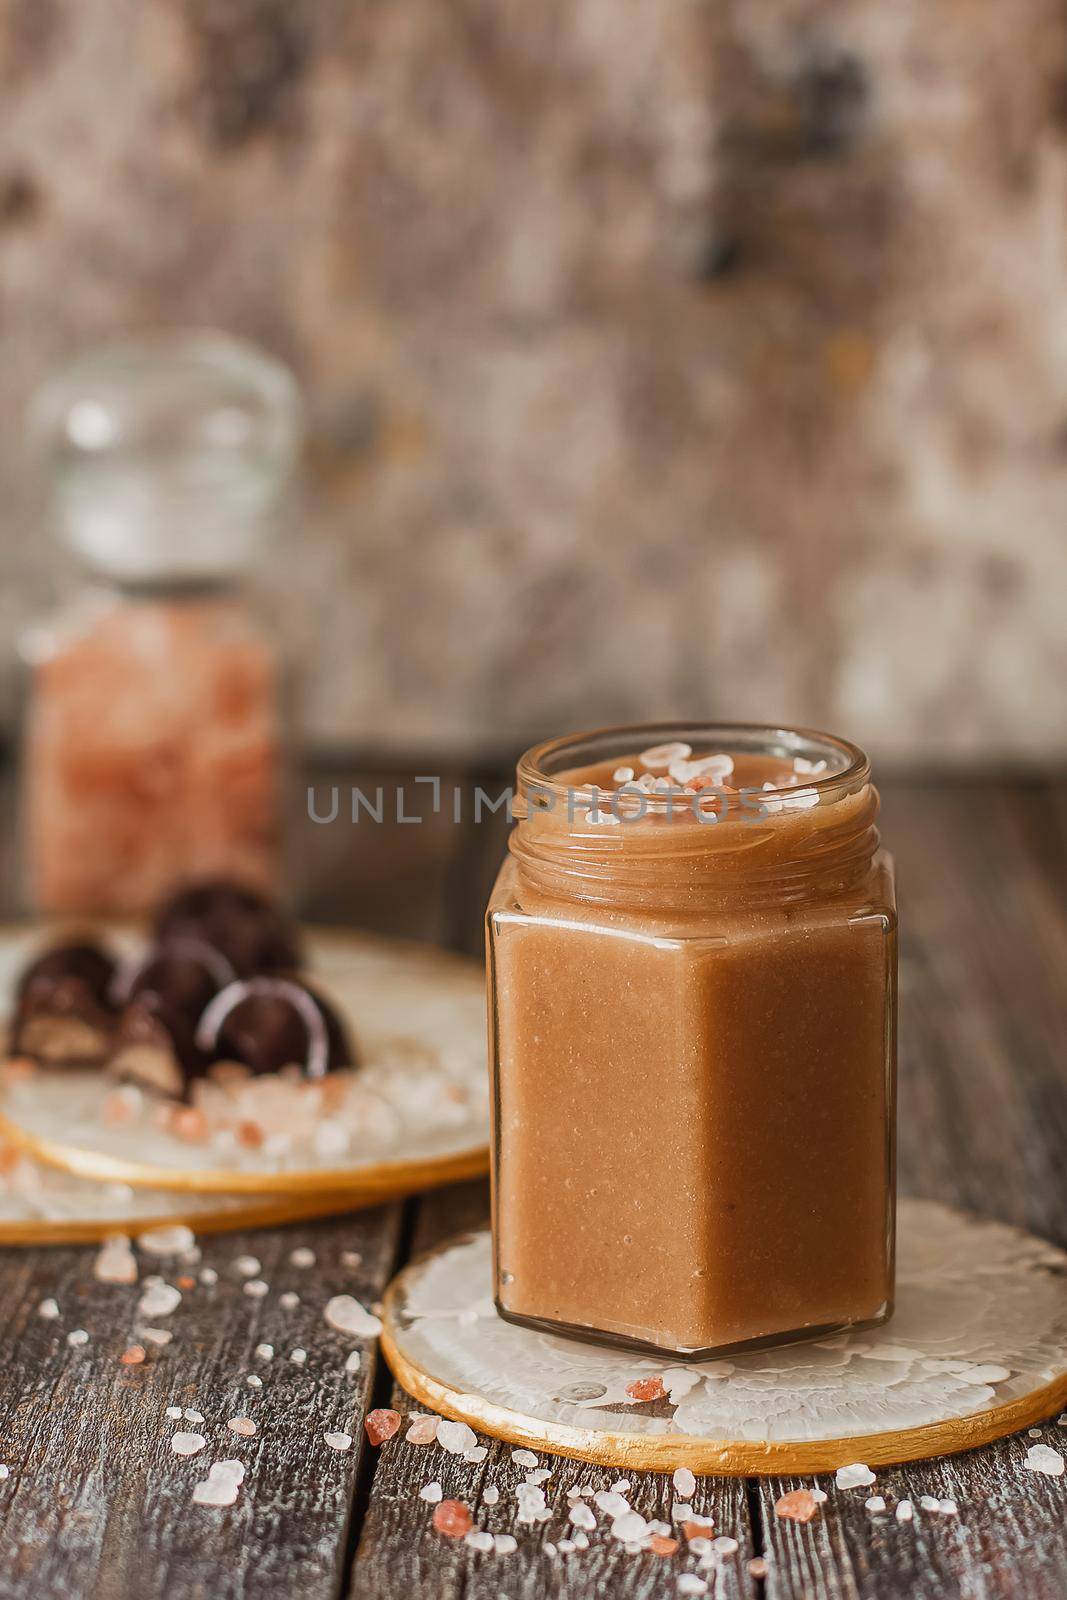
153	744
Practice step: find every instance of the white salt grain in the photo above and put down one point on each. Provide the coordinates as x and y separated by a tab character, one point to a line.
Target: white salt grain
630	1527
353	1362
856	1476
115	1263
289	1300
620	1486
346	1314
247	1266
478	1539
948	1508
253	1382
456	1437
176	1240
491	1495
431	1492
582	1516
580	1540
220	1489
187	1444
684	1483
689	1583
265	1352
159	1300
905	1511
524	1458
159	1336
302	1257
876	1503
215	1492
192	1416
338	1441
244	1426
255	1288
724	1545
48	1309
616	1505
77	1336
929	1502
658	758
819	1496
209	1277
1041	1458
477	1455
298	1356
174	1412
506	1544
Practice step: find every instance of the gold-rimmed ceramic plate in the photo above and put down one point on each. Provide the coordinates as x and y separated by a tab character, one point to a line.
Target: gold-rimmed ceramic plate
40	1204
976	1349
414	1115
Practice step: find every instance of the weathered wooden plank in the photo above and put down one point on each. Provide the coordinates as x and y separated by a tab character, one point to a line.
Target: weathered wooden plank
97	1504
983	1123
401	1553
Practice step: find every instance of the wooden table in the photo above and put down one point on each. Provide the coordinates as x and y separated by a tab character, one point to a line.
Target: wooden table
96	1505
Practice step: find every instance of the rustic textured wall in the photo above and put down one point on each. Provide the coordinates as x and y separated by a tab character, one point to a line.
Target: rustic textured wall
702	356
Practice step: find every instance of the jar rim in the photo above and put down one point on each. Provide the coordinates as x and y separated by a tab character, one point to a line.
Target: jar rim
537	764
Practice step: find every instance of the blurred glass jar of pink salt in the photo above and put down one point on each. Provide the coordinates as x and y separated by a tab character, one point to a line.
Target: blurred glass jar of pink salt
154	718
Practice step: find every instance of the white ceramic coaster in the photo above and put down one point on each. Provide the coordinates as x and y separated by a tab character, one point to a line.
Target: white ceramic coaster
977	1348
414	1115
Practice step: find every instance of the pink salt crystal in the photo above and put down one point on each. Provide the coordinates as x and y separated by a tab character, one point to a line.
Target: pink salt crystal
381	1425
250	1135
115	1263
453	1519
133	1356
120	1107
661	1545
799	1505
423	1430
646	1389
189	1123
243	1426
757	1567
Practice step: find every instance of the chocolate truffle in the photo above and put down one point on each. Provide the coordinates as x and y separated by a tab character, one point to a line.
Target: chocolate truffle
253	934
154	1045
186	973
271	1023
62	1015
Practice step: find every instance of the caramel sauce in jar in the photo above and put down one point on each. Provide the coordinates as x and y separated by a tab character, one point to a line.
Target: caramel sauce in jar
692	958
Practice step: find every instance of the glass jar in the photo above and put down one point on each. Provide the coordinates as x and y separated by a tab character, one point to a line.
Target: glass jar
692	995
152	730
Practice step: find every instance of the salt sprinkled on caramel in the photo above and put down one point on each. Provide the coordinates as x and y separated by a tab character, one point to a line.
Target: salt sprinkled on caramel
658	757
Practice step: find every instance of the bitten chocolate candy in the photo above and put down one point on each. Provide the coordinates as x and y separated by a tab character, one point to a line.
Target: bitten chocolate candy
186	973
270	1023
253	934
62	1016
81	959
154	1045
